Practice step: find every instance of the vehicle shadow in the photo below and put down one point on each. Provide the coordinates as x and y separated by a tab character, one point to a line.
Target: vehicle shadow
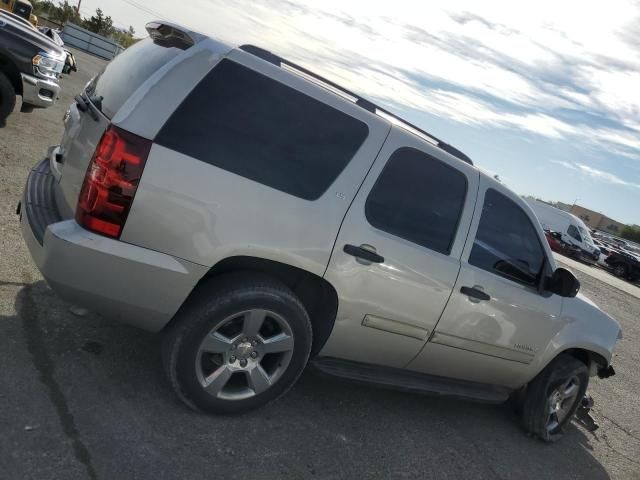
122	420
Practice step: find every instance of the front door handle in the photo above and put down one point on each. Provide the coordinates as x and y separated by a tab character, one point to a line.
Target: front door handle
363	254
474	292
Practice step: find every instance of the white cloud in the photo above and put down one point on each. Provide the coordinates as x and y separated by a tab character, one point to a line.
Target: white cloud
500	64
596	174
538	58
605	176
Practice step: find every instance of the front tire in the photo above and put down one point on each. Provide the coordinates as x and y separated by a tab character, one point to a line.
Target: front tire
7	98
239	342
553	397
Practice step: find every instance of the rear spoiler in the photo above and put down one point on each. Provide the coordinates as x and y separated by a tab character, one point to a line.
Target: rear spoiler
170	35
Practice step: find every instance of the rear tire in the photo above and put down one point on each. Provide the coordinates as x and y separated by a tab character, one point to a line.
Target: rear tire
553	397
7	98
620	270
239	342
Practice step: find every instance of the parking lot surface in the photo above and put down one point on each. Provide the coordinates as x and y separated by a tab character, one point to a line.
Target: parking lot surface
601	274
84	397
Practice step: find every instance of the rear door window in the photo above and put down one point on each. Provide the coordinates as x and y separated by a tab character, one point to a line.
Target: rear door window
126	72
506	242
254	126
419	198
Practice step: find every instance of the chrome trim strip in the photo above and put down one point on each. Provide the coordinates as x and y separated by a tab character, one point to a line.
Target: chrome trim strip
482	348
395	326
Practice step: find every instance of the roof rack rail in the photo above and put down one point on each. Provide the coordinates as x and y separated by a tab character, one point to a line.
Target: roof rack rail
358	100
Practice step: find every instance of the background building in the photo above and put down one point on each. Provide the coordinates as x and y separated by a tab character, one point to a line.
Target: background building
597	221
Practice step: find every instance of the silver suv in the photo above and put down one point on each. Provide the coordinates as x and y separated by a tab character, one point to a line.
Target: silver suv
262	216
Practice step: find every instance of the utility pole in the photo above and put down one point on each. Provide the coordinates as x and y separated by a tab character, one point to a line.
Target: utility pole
574	204
78	9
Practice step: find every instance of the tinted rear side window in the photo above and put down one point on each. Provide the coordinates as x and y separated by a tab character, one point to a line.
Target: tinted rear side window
418	198
256	127
125	73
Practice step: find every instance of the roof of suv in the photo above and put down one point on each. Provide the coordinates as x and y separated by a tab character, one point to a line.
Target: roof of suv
358	100
184	38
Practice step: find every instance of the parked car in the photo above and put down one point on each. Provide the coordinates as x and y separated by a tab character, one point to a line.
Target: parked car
574	231
21	8
70	64
554	239
605	251
70	61
261	216
30	66
624	264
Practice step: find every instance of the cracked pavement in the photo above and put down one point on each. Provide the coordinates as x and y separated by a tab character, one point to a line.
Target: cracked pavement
82	397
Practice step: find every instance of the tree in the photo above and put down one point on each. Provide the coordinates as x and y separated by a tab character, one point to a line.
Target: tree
100	24
631	233
62	12
125	38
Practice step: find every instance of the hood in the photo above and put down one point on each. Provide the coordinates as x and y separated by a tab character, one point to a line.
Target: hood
30	34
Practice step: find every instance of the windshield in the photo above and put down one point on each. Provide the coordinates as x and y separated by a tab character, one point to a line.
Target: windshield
22	9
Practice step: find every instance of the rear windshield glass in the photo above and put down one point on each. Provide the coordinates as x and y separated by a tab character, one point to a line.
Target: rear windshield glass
254	126
125	73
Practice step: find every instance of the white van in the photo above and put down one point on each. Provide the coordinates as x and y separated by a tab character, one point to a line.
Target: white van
573	230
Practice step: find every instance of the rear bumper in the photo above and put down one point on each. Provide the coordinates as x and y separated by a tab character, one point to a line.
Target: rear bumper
39	92
118	280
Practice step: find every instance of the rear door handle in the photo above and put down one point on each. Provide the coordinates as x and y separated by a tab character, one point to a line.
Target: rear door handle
363	254
474	292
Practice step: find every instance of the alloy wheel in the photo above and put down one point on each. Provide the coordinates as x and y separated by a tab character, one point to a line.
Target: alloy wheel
561	401
245	354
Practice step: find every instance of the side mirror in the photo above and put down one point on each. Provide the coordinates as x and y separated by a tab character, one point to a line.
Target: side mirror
563	283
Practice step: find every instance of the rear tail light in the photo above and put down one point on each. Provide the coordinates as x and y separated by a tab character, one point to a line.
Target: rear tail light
111	181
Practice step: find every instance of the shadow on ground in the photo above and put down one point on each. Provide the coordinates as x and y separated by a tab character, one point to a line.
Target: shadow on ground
107	398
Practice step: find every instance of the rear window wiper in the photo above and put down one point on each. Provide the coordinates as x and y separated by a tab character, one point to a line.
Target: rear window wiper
87	105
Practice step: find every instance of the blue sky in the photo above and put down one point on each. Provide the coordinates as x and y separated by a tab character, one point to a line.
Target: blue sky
545	94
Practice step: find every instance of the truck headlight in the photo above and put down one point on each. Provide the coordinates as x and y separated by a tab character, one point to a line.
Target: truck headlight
47	65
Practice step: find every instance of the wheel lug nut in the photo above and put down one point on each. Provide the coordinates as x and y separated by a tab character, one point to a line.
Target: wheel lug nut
254	354
254	343
243	363
232	359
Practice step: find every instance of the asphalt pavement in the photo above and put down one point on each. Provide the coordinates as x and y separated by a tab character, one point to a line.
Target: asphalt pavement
84	397
601	273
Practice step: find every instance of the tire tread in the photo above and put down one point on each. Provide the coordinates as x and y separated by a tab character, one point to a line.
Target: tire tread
210	295
533	407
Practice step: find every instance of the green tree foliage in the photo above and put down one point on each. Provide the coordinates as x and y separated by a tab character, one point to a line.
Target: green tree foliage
100	24
62	12
631	233
126	39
